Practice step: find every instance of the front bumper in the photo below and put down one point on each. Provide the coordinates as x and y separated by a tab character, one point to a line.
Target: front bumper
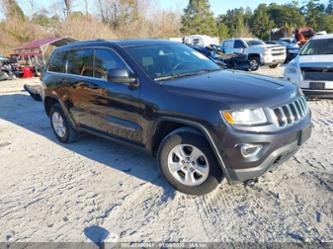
273	60
278	147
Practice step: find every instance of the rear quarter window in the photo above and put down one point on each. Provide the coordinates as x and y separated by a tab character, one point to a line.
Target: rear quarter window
57	62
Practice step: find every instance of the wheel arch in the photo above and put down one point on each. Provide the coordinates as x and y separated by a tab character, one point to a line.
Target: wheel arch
50	100
256	55
178	123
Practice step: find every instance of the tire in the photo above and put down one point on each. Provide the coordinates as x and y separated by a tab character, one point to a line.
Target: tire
68	134
273	66
184	139
254	63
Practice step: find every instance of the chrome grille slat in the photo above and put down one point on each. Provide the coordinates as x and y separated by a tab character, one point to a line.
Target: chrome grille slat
291	113
297	112
283	117
299	108
302	106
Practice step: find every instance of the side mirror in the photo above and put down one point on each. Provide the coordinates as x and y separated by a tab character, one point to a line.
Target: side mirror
121	75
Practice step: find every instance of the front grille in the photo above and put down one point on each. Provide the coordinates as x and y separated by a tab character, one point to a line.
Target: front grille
278	54
318	74
291	113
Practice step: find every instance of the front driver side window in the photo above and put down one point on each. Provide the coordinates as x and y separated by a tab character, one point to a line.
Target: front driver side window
239	44
105	60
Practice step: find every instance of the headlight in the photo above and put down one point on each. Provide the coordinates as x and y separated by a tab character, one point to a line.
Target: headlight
267	53
245	117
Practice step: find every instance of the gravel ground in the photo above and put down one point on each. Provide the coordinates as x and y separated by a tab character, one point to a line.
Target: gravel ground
55	192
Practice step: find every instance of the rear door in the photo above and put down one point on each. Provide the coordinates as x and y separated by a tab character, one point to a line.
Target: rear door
228	46
105	107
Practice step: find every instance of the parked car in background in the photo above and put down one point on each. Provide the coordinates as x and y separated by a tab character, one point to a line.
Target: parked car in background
200	40
257	51
312	69
3	58
291	46
202	123
230	61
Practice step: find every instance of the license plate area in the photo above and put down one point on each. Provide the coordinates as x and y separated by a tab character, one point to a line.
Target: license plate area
317	85
304	135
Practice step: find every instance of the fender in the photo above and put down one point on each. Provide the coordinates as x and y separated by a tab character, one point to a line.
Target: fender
205	132
64	108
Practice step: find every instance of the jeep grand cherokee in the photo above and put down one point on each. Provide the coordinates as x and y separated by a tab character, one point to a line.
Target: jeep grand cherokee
202	123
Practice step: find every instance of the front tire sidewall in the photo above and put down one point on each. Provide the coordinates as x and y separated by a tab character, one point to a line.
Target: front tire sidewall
215	175
255	60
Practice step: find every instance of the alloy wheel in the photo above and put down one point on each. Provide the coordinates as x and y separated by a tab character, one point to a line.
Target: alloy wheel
59	124
188	165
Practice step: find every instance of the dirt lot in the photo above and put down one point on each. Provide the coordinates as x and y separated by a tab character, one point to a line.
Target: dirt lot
55	192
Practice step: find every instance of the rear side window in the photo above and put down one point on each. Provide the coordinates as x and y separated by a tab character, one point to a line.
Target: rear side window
105	60
57	62
228	44
80	62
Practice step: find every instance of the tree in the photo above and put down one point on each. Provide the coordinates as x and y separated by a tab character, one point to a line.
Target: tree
328	23
13	10
314	12
198	19
329	8
286	16
119	12
68	7
237	21
223	31
261	23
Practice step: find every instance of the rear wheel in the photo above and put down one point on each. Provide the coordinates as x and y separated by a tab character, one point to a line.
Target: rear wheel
188	164
61	126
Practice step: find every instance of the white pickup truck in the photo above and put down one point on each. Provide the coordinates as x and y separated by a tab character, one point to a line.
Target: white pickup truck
257	51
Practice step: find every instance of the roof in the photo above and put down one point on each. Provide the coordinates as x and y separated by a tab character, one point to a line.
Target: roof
120	43
56	41
321	37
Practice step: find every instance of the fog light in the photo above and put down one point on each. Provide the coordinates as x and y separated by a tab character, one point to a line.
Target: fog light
250	150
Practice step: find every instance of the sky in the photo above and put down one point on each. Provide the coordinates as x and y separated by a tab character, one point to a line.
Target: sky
217	6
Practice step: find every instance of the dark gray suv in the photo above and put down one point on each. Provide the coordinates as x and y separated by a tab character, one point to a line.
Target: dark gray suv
202	123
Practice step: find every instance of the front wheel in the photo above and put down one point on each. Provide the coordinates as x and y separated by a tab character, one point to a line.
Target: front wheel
254	63
186	161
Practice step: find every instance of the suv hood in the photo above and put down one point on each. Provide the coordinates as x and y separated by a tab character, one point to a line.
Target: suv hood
235	87
315	60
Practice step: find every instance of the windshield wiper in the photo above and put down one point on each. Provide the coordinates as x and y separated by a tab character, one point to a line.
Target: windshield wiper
181	75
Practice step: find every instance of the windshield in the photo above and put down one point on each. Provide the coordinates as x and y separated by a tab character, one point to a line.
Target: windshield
318	47
175	60
254	43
